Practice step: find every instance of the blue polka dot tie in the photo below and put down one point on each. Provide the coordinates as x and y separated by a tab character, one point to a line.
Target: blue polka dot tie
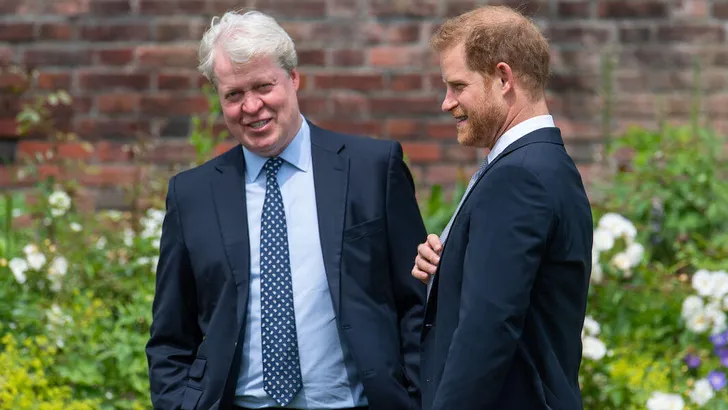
281	367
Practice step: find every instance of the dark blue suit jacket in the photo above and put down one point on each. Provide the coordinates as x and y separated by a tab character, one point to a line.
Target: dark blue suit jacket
370	226
503	322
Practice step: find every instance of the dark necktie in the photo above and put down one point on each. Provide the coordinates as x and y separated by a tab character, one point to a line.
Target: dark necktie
281	366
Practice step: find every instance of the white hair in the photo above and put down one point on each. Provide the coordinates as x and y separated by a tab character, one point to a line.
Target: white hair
245	36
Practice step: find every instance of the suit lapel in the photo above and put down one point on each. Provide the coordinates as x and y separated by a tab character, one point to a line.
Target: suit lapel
228	191
331	177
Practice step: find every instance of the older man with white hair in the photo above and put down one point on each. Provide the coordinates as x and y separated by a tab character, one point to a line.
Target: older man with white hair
284	271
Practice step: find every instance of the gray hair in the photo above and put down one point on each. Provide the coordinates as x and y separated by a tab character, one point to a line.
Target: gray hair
245	36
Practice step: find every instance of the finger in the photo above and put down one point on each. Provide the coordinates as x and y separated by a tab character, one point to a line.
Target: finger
434	242
424	251
425	266
420	275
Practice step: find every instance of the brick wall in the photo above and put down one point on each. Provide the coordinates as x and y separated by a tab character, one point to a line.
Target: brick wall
130	66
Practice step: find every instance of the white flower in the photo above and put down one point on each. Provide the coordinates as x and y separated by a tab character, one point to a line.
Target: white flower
36	260
703	282
597	275
635	251
692	305
725	303
30	248
101	243
665	401
716	316
152	223
699	322
76	227
623	262
603	239
702	392
591	326
619	226
18	266
59	202
720	284
594	348
128	237
58	267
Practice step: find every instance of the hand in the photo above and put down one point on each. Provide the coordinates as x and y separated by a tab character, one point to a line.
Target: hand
428	257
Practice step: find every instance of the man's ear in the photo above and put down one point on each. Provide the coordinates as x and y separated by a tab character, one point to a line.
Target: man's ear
504	74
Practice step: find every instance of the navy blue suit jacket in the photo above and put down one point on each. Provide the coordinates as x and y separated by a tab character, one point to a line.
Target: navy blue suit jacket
503	322
370	226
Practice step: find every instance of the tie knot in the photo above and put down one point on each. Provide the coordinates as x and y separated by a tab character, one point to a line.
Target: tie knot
272	166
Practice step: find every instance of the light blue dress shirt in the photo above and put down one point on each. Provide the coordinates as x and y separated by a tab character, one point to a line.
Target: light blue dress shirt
329	375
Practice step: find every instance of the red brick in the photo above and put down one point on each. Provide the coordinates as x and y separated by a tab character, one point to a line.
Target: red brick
695	33
720	10
295	8
356	127
53	81
635	34
404	105
116	32
456	7
347	58
459	153
175	31
167	56
404	33
16	32
113	129
582	34
364	82
176	82
401	128
8	127
118	56
396	56
6	54
173	151
94	81
173	104
112	175
171	7
413	8
313	104
65	150
118	103
621	9
442	130
348	104
110	7
573	9
8	7
311	57
56	31
107	151
225	147
443	174
422	151
57	57
405	82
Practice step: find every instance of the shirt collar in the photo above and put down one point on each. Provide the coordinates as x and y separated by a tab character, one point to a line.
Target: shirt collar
297	153
518	131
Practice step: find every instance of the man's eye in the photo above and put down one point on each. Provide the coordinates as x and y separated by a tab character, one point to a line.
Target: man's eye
265	87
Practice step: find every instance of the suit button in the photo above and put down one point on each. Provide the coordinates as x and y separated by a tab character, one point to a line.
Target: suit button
428	380
346	327
428	325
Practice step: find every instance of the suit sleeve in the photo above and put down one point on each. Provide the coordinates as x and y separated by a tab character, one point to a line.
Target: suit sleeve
405	230
510	223
174	334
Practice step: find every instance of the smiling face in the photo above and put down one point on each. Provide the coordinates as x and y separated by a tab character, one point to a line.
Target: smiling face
259	103
476	101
